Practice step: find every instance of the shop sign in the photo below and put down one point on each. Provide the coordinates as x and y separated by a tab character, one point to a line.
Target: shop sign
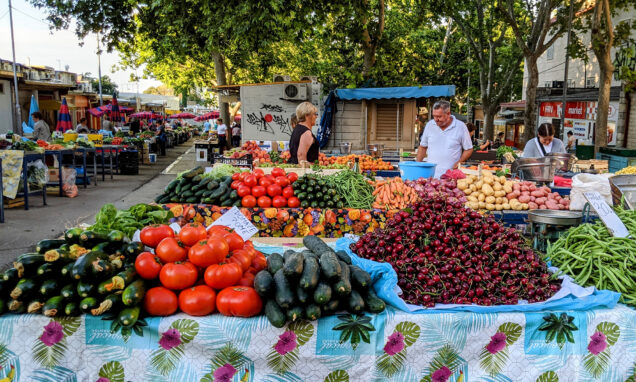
575	110
550	109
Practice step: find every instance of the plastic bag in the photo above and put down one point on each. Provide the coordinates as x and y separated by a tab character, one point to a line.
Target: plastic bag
37	175
589	183
68	182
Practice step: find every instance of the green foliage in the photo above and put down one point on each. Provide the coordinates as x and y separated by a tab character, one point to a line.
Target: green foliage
354	328
548	376
337	376
560	328
164	361
113	370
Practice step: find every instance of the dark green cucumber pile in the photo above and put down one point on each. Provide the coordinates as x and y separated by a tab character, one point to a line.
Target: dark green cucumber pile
314	283
193	187
88	272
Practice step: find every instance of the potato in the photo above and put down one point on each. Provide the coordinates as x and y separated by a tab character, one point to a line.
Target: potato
486	189
499	207
502	180
500	193
524	198
473	188
481	197
506	206
497	186
490	206
489	180
524	206
499	200
468	191
479	184
461	184
471	198
490	199
486	174
473	205
482	205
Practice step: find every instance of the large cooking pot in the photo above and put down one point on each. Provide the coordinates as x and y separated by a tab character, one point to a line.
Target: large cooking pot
536	169
567	159
345	148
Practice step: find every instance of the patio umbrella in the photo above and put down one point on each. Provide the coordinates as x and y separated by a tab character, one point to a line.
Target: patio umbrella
114	111
34	107
64	118
237	117
143	115
182	116
210	115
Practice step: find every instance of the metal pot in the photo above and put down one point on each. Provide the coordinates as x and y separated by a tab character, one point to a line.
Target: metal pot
624	186
345	148
555	217
536	169
567	159
376	151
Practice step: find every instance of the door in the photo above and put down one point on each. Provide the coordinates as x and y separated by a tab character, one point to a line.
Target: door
392	123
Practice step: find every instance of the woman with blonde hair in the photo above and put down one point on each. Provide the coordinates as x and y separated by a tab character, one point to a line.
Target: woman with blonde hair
303	145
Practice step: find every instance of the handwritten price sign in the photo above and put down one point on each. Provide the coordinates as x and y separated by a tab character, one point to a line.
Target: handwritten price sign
607	215
235	220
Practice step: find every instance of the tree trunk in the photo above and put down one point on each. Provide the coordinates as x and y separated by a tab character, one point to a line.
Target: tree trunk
370	43
602	42
489	121
530	116
221	79
600	135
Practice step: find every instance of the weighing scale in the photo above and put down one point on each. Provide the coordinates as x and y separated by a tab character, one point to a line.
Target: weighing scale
548	225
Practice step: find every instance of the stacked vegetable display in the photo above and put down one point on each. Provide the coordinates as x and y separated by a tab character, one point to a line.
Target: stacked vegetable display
194	186
272	190
393	194
446	253
314	283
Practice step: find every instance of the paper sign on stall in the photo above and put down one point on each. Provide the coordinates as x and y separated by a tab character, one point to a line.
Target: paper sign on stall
607	214
235	220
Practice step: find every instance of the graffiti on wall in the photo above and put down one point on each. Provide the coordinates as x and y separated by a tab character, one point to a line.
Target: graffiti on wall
625	57
269	120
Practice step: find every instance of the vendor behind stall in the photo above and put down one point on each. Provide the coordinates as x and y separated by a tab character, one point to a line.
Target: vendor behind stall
544	143
446	140
471	130
303	145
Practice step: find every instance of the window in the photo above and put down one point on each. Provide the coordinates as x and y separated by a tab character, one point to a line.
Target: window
550	53
590	82
571	84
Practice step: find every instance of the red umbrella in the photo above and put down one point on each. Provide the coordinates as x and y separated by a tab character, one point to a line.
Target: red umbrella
143	115
237	117
182	116
64	118
210	115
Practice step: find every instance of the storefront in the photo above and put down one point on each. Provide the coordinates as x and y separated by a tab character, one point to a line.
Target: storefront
580	118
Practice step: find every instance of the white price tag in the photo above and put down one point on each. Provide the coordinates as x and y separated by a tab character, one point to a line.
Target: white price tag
235	220
607	214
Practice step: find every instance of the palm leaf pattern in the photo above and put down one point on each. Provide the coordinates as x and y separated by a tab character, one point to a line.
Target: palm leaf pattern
344	362
446	356
337	376
282	363
436	332
111	352
227	354
284	377
493	363
112	370
51	356
388	364
495	378
216	331
54	374
597	364
164	361
548	376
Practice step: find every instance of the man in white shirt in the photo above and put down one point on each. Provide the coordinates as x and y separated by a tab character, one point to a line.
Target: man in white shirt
445	141
221	129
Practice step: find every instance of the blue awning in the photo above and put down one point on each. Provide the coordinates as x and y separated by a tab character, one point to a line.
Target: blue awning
399	92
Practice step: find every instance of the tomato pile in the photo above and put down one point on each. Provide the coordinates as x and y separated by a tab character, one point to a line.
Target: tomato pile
199	271
272	190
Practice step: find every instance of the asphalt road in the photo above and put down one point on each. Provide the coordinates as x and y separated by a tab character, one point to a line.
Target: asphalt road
23	229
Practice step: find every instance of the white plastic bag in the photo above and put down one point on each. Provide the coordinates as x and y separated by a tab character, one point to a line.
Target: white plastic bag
589	183
37	174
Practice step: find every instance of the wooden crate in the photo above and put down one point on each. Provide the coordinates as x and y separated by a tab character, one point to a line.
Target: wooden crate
601	165
13	203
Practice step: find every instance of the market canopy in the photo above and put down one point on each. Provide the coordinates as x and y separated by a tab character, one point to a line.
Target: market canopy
101	110
396	92
182	116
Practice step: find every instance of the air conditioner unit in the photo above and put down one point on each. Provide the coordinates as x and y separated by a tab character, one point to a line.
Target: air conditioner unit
295	92
281	78
313	79
590	82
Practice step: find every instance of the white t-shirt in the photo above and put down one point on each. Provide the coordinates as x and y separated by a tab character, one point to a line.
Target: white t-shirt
221	129
444	148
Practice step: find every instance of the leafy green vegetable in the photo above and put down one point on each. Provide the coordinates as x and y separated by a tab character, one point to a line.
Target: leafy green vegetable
130	220
503	150
220	170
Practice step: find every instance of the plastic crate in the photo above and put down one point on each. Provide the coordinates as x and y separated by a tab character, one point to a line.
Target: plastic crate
129	162
245	161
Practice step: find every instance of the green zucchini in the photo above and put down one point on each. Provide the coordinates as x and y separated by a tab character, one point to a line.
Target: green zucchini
3	306
24	289
72	236
102	267
5	287
11	275
35	305
129	316
67	271
311	273
16	306
355	303
331	307
87	304
330	266
284	294
373	303
274	263
360	279
90	238
103	247
72	309
133	249
45	245
53	306
85	288
28	263
312	312
343	256
274	314
134	293
47	269
59	255
50	287
110	301
83	266
303	295
264	283
293	265
343	286
322	294
294	313
69	291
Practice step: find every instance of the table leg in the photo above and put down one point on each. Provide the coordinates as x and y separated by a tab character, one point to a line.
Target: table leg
117	161
25	184
1	195
95	167
59	164
85	170
110	158
103	170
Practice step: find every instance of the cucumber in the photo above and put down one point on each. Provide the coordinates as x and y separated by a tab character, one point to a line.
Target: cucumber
274	314
218	191
360	279
373	303
69	292
53	306
311	273
331	307
316	245
307	253
312	312
355	303
322	294
205	181
24	289
303	295
213	185
85	289
284	294
82	268
294	313
274	263
67	271
11	276
343	286
28	263
199	193
87	304
330	266
134	293
34	306
287	253
72	309
192	199
343	256
50	288
293	265
129	316
72	236
264	283
187	194
45	245
171	186
162	199
110	301
197	178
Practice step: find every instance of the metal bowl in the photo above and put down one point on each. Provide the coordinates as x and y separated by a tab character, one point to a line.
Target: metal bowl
536	169
555	217
624	186
345	148
567	159
376	151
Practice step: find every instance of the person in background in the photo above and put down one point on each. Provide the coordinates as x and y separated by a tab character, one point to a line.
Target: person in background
41	129
471	130
544	143
293	121
222	131
303	145
236	135
161	139
107	125
81	127
135	126
571	147
499	141
446	140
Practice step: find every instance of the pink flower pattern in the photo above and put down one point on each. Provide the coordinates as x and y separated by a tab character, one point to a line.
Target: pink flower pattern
395	344
598	343
286	342
53	333
224	373
497	343
170	338
103	379
441	375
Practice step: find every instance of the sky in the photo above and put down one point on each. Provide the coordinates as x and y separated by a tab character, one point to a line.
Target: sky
36	44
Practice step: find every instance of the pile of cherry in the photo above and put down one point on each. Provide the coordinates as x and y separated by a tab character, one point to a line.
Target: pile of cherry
446	253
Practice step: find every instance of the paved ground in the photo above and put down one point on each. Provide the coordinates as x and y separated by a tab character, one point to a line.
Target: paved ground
22	229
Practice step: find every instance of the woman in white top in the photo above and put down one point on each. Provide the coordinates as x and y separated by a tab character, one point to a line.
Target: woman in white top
544	143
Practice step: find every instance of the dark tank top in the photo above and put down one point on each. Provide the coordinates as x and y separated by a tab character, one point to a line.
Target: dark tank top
294	142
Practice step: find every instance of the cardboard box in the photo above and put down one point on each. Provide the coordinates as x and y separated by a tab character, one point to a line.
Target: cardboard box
54	175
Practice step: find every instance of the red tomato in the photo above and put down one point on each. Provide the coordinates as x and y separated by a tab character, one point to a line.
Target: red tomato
171	250
207	252
219	276
264	202
236	184
270	177
220	247
292	176
247	280
147	266
192	233
219	228
259	262
153	234
250	181
248	201
293	202
277	171
239	301
241	257
243	191
258	173
235	176
160	301
279	201
282	181
288	192
258	191
199	300
242	176
274	189
177	276
264	181
234	240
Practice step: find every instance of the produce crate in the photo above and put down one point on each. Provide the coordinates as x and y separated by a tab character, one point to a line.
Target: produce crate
616	162
13	203
601	165
245	161
129	162
618	152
